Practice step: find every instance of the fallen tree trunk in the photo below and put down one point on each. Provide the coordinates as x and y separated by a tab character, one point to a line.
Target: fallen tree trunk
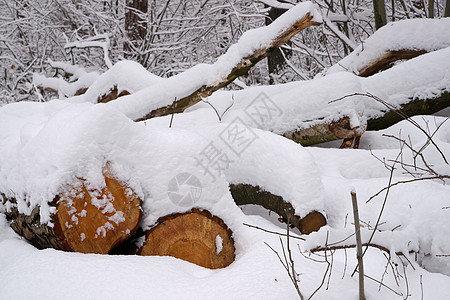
87	221
247	194
196	236
240	69
412	108
383	62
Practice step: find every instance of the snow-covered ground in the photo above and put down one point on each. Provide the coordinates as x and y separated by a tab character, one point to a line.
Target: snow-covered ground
48	144
45	146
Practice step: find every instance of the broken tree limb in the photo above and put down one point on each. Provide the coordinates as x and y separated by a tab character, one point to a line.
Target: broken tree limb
383	62
247	194
196	236
240	69
326	132
85	220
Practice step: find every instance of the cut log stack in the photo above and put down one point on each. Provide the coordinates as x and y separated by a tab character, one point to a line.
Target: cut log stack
99	221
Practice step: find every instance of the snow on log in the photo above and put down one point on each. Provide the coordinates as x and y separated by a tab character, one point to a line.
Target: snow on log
196	236
419	86
247	194
85	220
397	40
202	80
383	62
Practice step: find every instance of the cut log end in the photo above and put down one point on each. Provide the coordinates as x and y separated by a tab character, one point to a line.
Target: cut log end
312	222
196	236
97	221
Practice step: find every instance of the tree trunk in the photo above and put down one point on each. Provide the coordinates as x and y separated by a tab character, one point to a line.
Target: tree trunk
135	23
431	9
276	60
86	221
196	236
247	194
379	12
447	9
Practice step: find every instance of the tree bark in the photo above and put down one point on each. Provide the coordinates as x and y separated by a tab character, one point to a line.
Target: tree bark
431	9
85	221
247	194
379	12
135	23
383	62
196	236
326	132
447	9
412	108
276	60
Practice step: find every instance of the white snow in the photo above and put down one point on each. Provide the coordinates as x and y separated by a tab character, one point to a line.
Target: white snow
410	34
183	84
219	244
46	146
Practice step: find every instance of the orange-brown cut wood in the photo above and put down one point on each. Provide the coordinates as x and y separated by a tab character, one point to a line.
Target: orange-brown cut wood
195	236
97	221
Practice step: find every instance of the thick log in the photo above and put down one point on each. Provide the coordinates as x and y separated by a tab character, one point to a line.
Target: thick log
383	62
196	236
87	221
241	69
247	194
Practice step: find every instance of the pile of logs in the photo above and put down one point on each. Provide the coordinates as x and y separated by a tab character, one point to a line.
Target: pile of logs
107	221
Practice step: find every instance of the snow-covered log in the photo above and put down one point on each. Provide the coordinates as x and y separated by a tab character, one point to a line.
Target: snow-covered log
202	80
278	34
83	220
196	236
244	194
383	62
403	39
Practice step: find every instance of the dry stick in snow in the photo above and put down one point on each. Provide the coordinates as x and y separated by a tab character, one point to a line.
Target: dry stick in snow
241	69
359	254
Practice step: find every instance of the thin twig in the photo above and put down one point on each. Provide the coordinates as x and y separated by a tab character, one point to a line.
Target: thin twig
273	232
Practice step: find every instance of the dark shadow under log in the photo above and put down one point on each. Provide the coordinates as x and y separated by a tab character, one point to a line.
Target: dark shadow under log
247	194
